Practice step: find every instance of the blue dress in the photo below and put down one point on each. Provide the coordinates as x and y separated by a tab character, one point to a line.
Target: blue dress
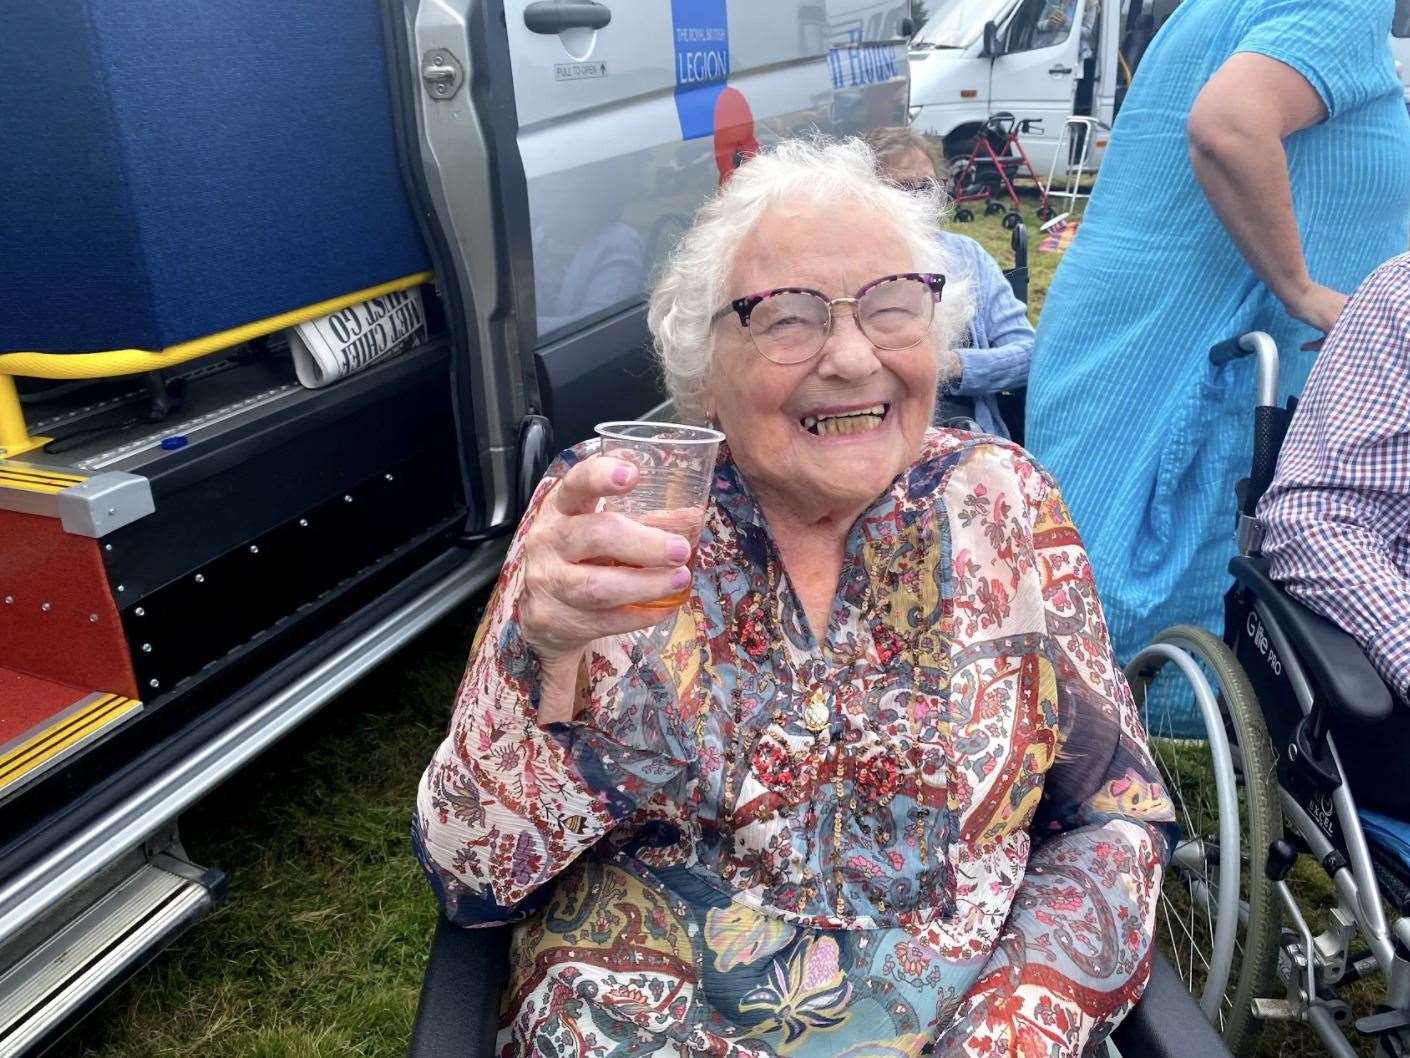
1123	405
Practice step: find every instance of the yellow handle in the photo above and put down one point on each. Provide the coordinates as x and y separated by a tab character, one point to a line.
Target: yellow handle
14	437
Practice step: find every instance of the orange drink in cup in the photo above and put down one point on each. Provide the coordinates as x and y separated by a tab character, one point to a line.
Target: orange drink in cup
675	465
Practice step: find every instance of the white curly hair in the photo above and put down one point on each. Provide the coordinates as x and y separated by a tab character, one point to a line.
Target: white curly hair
790	176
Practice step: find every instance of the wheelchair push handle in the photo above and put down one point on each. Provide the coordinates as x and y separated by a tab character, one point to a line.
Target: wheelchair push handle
1270	422
1261	345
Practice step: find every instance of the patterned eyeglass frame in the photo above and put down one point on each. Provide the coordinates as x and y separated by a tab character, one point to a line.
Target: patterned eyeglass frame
745	306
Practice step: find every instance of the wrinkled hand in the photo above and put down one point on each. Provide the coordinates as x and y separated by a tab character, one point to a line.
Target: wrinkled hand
1318	307
572	592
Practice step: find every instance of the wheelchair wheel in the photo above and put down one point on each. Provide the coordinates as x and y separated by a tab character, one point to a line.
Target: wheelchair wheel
993	206
1218	919
1012	219
964	215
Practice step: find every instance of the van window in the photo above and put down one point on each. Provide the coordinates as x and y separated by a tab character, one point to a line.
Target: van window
1040	24
958	23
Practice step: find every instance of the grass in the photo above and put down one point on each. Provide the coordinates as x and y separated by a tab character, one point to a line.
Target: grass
990	233
320	950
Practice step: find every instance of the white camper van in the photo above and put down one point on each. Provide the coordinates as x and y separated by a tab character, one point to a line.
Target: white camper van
1042	60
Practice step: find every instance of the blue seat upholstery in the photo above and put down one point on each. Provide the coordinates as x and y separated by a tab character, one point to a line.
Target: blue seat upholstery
176	169
1392	836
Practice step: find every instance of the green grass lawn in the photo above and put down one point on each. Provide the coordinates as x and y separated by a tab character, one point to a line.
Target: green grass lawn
321	948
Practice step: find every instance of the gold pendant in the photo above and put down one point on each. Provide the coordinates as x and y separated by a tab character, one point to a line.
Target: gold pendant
816	714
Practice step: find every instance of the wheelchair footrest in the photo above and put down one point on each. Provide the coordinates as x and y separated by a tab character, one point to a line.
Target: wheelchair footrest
1383	1023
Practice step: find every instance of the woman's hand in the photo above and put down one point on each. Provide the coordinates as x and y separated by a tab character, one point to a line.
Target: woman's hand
583	570
1318	307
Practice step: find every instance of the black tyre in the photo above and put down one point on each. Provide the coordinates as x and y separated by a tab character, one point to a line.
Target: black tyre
993	206
1180	742
1012	219
964	215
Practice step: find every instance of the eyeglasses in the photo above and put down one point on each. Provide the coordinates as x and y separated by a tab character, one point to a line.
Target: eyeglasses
791	324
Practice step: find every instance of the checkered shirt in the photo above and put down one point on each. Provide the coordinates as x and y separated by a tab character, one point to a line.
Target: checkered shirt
1338	512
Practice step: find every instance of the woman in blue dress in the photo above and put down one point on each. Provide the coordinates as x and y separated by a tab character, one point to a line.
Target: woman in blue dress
1259	168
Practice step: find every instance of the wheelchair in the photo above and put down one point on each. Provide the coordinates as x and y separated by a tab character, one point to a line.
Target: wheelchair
458	1012
1268	768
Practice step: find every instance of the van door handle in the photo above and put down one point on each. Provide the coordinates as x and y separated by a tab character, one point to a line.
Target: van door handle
554	16
1060	70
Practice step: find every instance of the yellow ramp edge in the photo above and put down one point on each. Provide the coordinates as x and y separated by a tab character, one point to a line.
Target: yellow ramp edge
32	478
68	732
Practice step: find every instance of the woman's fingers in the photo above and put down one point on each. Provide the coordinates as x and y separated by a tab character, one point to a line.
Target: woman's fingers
583	586
614	537
591	480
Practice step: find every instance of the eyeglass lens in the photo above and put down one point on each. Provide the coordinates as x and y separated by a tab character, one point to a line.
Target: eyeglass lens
791	326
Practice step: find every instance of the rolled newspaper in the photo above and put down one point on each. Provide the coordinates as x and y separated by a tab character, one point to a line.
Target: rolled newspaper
353	339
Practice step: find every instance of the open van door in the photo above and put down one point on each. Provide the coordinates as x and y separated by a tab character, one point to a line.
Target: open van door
593	131
1036	76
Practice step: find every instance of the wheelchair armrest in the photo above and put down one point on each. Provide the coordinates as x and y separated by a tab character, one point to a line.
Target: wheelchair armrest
1167	1022
1334	661
459	1008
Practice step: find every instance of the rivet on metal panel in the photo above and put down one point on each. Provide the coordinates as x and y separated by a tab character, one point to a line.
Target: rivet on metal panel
254	549
200	578
347	499
154	682
9	600
107	547
389	477
46	606
93	618
146	648
303	523
139	611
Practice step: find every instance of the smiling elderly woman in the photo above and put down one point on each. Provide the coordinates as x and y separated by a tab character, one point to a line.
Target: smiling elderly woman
877	787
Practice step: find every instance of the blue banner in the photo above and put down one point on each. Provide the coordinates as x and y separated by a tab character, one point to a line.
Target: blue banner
701	31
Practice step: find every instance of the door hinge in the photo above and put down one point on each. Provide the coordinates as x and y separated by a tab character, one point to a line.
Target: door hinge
441	73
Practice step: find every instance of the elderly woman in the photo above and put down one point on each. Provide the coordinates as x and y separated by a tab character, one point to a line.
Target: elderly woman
876	788
997	345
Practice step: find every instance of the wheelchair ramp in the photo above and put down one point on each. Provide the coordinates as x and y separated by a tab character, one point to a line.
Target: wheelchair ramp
67	975
44	721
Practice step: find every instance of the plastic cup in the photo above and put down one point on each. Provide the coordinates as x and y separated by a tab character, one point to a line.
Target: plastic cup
675	466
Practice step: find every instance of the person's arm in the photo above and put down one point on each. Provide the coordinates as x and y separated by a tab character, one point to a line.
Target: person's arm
1005	362
1236	131
519	788
1074	954
1341	495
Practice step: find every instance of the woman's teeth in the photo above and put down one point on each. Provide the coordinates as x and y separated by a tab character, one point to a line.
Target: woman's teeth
852	422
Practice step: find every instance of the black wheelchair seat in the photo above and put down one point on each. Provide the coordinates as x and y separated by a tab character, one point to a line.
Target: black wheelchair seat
459	1009
1334	660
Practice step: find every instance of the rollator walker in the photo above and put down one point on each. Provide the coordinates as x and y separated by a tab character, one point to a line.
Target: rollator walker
996	159
1260	789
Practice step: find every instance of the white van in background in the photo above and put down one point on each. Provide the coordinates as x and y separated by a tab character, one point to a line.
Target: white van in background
1031	65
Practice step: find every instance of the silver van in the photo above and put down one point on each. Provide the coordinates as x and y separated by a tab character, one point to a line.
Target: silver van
297	302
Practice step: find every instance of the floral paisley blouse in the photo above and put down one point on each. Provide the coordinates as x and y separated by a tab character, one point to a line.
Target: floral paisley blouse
933	827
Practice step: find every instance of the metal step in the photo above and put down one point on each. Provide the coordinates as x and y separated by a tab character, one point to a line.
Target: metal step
68	974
